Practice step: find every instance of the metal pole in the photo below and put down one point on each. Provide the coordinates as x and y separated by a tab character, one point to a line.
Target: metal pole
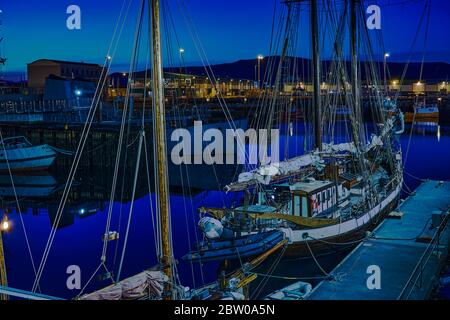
259	72
159	123
384	73
316	75
3	277
25	294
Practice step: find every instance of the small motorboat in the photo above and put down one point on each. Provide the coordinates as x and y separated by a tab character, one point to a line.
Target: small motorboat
235	248
296	291
423	113
18	154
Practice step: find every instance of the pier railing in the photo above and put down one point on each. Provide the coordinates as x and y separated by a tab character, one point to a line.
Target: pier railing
70	110
415	280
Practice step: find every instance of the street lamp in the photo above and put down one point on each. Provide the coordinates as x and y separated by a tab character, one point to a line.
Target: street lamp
181	51
5	225
386	55
259	58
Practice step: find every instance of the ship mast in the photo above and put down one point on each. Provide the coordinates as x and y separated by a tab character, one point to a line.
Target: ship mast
159	123
316	75
354	71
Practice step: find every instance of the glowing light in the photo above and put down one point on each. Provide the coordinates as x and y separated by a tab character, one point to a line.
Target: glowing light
181	50
260	57
5	224
387	55
439	133
78	92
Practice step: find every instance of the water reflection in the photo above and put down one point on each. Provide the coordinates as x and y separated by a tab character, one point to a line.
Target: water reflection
32	186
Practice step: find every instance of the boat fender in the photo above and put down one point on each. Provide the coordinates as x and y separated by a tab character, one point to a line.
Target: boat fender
287	234
211	228
305	288
233	283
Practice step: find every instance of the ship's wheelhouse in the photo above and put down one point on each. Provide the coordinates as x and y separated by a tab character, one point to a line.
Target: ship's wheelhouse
313	198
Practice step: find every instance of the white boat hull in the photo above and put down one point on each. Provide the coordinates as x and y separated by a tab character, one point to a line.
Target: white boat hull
28	158
347	231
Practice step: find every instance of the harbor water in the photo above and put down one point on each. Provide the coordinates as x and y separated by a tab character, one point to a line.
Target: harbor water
78	240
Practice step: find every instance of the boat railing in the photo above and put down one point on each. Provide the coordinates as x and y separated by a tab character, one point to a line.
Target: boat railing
415	280
16	140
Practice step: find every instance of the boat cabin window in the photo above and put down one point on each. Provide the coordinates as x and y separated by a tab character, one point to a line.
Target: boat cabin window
310	199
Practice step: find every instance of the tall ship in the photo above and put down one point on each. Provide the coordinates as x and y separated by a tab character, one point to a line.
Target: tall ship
346	180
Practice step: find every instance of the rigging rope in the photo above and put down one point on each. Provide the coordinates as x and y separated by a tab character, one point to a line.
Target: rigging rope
18	205
315	260
81	145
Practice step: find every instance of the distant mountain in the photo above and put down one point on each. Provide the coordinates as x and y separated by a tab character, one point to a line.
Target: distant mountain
245	69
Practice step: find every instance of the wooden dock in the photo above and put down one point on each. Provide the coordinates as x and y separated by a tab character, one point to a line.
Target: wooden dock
402	258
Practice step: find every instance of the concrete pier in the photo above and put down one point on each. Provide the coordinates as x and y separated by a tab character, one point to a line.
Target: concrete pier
402	258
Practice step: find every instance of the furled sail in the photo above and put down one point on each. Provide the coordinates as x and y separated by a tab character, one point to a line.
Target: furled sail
265	174
147	283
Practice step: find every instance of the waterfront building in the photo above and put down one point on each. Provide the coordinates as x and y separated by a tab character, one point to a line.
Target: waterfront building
40	70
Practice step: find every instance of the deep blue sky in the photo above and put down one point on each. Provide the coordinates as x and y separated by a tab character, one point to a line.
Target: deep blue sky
229	30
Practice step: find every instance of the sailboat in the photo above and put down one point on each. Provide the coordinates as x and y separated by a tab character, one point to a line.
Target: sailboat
336	191
161	281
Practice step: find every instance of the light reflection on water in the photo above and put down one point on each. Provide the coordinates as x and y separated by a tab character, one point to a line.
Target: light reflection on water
79	241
